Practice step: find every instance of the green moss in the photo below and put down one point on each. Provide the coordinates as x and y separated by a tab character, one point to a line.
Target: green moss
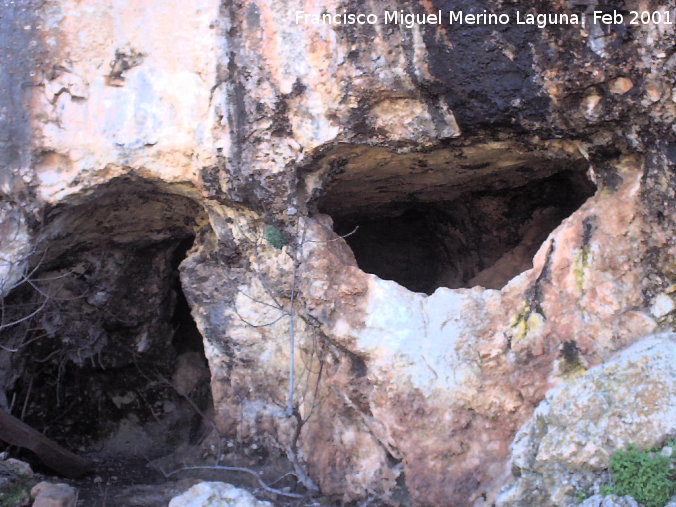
16	492
647	477
274	237
581	495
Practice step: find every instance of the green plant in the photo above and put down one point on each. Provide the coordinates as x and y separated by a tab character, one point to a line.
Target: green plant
274	237
580	495
16	491
607	489
642	475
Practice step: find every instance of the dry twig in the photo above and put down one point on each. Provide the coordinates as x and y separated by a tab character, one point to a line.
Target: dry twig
245	470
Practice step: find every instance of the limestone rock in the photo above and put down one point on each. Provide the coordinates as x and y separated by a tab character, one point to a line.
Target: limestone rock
630	399
609	501
663	306
15	467
216	494
48	494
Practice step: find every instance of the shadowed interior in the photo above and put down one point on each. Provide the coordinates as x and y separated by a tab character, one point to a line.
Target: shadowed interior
475	222
113	363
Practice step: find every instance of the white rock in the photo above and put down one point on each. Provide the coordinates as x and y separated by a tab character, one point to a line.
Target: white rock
630	399
609	501
662	306
216	494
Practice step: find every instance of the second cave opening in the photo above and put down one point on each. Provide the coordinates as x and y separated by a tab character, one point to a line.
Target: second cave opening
428	220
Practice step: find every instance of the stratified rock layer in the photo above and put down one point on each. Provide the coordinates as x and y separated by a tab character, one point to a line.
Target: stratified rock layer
254	134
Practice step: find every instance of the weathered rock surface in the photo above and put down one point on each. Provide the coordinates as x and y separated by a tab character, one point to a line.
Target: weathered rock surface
49	494
15	245
630	399
609	501
13	466
535	162
216	494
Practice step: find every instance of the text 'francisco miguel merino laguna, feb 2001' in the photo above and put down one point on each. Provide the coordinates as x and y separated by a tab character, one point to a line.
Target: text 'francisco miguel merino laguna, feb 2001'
541	20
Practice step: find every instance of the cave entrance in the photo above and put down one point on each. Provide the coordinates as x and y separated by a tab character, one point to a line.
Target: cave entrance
451	218
112	363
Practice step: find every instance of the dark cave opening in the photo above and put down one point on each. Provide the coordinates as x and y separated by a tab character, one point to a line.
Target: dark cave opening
125	397
114	364
482	231
403	247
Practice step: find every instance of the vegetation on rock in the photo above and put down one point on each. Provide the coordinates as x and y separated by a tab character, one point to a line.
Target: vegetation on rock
646	476
274	237
16	491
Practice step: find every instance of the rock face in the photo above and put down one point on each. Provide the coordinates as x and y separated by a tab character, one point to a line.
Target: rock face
573	432
506	194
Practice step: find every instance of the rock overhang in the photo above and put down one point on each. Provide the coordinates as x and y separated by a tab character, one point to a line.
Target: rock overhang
423	217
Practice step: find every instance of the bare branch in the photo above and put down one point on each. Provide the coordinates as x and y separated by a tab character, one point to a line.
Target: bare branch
284	476
24	343
278	307
27	317
292	323
284	314
334	239
249	471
